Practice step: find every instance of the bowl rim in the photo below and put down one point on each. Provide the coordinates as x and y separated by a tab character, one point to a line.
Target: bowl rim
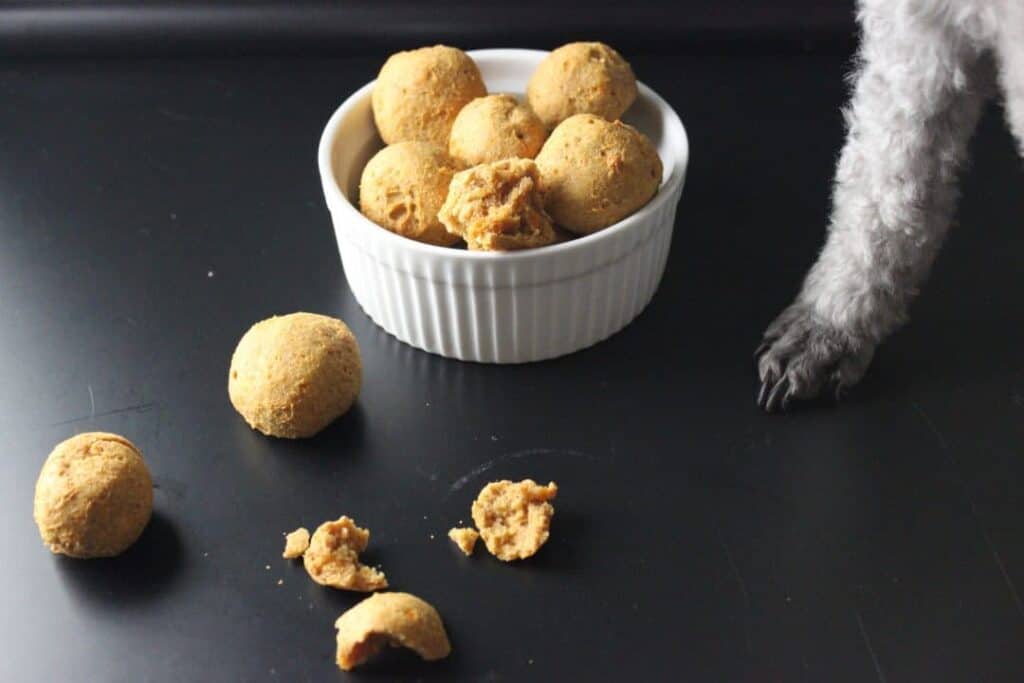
336	199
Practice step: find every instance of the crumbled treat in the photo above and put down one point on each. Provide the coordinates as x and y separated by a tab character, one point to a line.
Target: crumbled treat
295	543
94	496
581	78
464	538
514	518
493	128
293	375
396	619
332	558
498	207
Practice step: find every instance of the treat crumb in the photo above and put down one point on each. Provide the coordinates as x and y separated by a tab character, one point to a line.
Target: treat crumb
464	538
295	543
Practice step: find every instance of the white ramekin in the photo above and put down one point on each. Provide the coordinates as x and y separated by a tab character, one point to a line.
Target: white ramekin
501	307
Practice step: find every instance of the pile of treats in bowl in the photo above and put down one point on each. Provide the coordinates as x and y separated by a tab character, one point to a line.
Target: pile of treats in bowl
462	165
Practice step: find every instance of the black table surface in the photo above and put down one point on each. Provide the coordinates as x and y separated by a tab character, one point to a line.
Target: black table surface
151	210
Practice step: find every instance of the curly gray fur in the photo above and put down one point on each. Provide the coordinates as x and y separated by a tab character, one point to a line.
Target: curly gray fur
924	72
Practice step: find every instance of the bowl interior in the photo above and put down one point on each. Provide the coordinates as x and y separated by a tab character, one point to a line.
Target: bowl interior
504	71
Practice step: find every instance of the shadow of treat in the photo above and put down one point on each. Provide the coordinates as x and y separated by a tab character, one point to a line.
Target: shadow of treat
392	663
564	551
142	573
345	435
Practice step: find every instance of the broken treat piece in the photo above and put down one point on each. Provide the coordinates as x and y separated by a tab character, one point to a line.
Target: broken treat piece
332	558
498	207
396	619
464	538
514	518
296	543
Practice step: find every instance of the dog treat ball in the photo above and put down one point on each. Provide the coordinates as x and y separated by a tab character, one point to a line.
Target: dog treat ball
495	127
419	92
581	78
94	496
498	207
595	172
293	375
402	188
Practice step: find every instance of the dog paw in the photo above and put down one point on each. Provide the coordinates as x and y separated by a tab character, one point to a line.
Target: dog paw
801	355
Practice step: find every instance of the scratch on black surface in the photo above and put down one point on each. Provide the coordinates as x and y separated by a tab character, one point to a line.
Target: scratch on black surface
999	562
178	116
480	469
742	586
92	403
139	408
867	644
735	570
1014	595
931	426
173	115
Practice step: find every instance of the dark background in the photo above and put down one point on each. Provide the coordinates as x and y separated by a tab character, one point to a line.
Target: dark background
147	27
158	194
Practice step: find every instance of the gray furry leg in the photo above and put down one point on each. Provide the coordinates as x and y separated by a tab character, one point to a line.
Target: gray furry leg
1010	52
917	99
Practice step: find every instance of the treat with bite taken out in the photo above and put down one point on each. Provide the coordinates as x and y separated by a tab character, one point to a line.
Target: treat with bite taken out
595	172
396	619
495	127
498	207
418	93
581	78
293	375
402	188
94	496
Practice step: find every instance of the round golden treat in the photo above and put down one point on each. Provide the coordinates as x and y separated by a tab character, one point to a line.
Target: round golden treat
402	188
94	496
514	518
418	93
581	78
596	172
498	207
495	127
332	557
396	619
293	375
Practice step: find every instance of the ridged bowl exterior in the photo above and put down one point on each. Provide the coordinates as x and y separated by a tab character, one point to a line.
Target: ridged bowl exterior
501	308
